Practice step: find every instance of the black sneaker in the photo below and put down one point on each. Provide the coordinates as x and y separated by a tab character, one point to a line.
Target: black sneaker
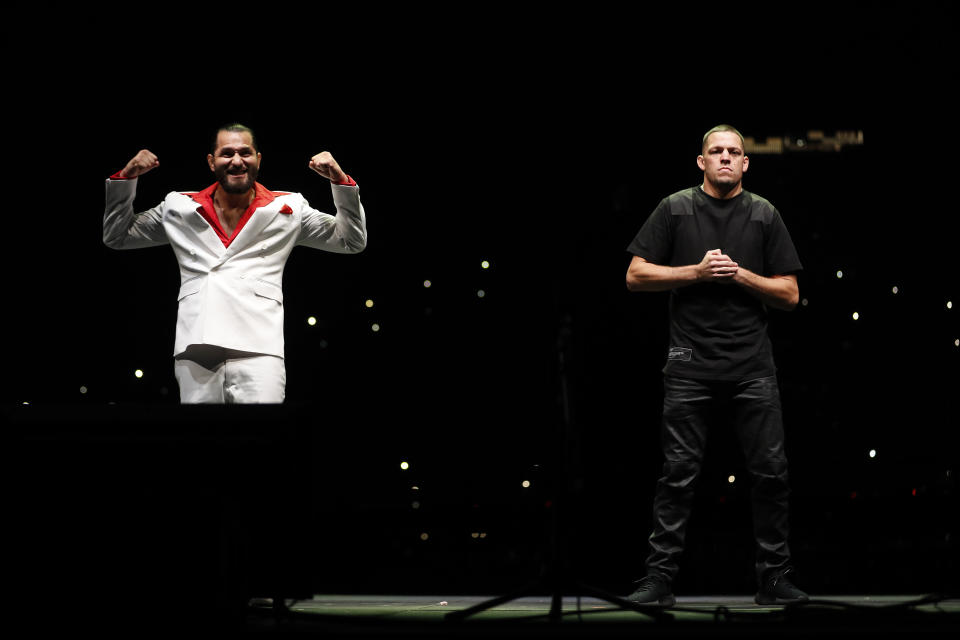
777	589
653	590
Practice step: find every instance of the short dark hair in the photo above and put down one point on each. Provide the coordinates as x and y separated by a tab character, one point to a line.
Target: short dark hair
236	127
719	128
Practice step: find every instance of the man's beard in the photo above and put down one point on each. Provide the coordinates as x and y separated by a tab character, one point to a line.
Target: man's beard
223	174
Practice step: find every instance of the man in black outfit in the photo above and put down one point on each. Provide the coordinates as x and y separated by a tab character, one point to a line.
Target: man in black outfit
725	256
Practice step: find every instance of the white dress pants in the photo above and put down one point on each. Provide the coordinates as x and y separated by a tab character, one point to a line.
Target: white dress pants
214	375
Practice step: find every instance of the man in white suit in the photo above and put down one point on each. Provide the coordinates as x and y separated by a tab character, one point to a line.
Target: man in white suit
232	241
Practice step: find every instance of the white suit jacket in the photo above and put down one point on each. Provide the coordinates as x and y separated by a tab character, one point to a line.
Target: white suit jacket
232	296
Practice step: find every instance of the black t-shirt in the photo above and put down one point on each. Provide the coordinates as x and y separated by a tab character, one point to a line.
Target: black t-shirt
717	331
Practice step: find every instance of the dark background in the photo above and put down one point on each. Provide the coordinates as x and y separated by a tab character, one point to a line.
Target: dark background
539	142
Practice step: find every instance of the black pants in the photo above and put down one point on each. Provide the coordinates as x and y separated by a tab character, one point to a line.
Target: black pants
689	406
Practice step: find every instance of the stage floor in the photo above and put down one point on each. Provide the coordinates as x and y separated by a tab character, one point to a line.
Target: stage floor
373	615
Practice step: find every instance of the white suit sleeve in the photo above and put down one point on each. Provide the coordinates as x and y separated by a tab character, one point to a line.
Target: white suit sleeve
124	229
345	232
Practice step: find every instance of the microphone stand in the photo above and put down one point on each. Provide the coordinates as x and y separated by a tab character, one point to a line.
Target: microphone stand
555	577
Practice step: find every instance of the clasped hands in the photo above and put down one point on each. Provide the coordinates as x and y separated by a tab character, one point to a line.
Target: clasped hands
717	267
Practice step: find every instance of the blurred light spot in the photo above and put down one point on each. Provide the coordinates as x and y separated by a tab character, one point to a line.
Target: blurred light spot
424	535
375	327
475	534
415	504
415	488
404	465
485	264
427	284
956	342
311	321
873	453
138	373
839	274
896	290
525	483
914	492
83	389
483	535
368	304
804	302
949	304
481	293
856	316
853	495
732	479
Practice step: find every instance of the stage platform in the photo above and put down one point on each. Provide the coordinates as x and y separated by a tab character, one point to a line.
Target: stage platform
694	616
132	520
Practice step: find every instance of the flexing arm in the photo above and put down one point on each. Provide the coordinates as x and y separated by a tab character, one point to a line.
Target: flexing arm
122	228
347	231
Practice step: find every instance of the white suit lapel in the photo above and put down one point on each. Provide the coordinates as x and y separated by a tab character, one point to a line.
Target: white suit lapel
258	221
205	233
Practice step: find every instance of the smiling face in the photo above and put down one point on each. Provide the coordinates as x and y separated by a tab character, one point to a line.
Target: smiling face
723	164
235	162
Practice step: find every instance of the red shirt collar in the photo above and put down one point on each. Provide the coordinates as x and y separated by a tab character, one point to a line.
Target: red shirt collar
261	197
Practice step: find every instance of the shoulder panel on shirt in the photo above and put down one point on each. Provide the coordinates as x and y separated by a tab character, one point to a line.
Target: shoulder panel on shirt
681	202
760	208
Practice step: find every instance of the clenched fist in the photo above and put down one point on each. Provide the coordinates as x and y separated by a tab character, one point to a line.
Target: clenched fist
141	163
324	164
